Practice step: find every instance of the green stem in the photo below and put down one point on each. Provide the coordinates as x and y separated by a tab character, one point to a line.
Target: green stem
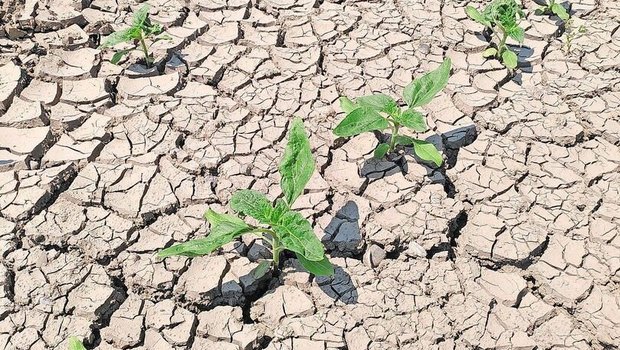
394	135
275	249
145	50
502	43
263	230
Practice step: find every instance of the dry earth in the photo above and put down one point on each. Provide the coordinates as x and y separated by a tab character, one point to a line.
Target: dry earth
513	244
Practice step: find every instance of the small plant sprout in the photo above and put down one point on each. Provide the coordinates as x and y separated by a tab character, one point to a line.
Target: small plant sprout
75	344
572	32
380	112
141	29
553	8
282	227
501	18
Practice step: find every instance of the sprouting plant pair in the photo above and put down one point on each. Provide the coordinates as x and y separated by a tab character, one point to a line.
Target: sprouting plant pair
141	29
286	229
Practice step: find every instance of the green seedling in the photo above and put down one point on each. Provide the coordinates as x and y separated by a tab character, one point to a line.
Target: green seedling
553	8
75	344
141	29
381	112
282	227
502	18
572	32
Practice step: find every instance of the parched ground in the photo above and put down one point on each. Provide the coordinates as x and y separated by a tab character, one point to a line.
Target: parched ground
513	244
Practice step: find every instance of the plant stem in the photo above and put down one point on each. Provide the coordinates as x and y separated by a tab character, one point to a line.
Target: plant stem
394	135
145	50
502	43
275	250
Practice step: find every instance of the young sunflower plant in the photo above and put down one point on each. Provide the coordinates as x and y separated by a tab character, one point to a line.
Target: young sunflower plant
501	18
141	29
278	224
381	112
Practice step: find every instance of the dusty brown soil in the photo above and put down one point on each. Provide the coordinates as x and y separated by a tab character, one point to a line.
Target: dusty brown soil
513	244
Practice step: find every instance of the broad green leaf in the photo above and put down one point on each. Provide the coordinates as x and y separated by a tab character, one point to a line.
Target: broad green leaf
560	11
279	209
76	344
510	59
118	55
381	150
260	270
295	234
361	120
153	29
121	36
252	203
216	218
347	105
297	164
427	151
163	37
413	120
378	102
140	16
490	52
220	234
517	33
422	90
403	140
477	16
540	11
317	268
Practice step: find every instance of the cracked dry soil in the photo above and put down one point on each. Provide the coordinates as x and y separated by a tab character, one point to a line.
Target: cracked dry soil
513	244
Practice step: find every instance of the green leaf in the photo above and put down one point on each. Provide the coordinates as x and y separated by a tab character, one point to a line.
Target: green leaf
297	164
118	55
121	36
381	150
262	269
403	140
560	11
140	16
75	344
216	218
361	120
517	33
413	120
378	102
163	37
477	16
540	11
422	90
152	29
295	234
347	105
220	234
280	208
317	268
490	52
252	203
427	151
510	59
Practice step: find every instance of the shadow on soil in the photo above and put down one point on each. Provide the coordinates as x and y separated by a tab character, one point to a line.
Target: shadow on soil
339	287
342	238
374	169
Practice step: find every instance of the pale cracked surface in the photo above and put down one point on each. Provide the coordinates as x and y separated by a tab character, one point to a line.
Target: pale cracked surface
513	244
